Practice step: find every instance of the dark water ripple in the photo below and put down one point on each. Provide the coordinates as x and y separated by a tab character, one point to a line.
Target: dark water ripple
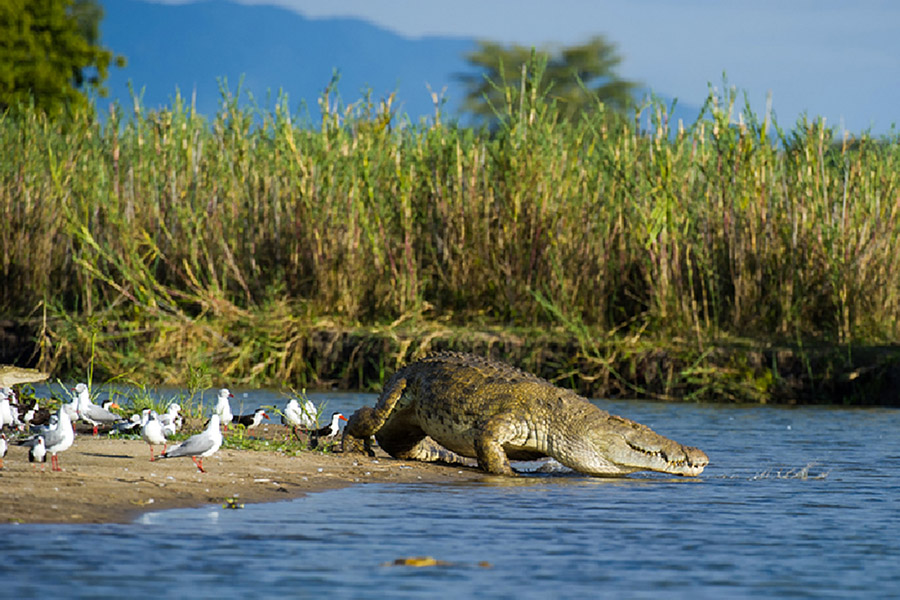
796	503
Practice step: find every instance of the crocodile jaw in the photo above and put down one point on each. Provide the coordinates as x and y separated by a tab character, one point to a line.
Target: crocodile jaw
622	446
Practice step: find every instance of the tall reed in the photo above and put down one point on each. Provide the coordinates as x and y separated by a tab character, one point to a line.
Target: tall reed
147	229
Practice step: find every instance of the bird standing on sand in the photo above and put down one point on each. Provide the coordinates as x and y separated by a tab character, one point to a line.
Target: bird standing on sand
201	445
327	432
252	420
153	432
171	419
93	414
54	440
4	446
6	411
223	407
38	452
299	416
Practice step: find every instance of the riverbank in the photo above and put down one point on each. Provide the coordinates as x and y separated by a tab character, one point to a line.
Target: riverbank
324	355
109	480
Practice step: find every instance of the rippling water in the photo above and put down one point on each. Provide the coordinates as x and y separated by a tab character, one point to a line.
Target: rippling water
796	503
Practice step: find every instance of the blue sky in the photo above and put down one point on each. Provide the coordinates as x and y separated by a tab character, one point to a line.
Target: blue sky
830	58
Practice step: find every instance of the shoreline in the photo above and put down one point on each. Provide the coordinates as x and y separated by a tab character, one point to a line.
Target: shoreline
110	480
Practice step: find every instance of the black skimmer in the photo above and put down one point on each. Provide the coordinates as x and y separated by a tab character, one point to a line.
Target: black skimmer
132	425
35	415
327	432
153	432
200	445
252	420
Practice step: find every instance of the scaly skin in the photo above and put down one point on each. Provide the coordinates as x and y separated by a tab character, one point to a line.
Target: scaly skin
11	375
451	405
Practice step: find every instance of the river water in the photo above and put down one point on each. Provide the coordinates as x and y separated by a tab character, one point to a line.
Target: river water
796	503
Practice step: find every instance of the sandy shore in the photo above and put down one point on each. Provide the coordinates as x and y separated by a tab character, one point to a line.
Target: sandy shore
107	480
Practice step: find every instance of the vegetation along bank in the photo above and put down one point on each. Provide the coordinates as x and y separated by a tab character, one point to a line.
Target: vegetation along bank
729	259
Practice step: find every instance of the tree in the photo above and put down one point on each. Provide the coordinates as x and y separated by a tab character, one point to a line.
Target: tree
50	54
576	77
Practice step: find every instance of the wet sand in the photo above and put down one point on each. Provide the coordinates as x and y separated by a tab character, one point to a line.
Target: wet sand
109	480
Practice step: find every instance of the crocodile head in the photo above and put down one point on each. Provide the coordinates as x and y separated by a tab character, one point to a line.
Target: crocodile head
622	446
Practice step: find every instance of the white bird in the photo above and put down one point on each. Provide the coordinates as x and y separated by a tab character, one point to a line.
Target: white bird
91	413
38	452
130	426
4	446
171	419
54	440
6	416
72	409
15	411
223	407
252	420
153	432
299	416
201	445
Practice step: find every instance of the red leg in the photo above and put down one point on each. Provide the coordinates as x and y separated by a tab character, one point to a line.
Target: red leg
199	463
95	430
151	452
54	463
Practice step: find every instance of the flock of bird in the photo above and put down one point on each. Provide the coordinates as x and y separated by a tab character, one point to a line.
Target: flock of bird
50	434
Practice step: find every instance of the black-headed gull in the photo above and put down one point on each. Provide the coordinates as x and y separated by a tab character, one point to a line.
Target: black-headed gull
153	432
252	420
223	407
200	445
93	414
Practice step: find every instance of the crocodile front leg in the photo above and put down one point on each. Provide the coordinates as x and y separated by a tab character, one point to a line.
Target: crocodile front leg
497	431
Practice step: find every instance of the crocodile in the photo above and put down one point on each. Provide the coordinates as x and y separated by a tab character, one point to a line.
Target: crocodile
450	405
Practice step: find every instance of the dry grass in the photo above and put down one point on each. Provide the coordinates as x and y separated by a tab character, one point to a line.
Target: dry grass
178	242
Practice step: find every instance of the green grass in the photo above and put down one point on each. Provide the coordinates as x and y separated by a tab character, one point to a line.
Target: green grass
182	246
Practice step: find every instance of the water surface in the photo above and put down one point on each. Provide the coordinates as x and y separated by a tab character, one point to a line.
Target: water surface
796	503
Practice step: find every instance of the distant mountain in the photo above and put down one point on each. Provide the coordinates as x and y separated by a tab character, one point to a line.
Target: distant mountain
190	46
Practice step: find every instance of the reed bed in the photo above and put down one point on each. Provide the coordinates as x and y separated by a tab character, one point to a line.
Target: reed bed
176	241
